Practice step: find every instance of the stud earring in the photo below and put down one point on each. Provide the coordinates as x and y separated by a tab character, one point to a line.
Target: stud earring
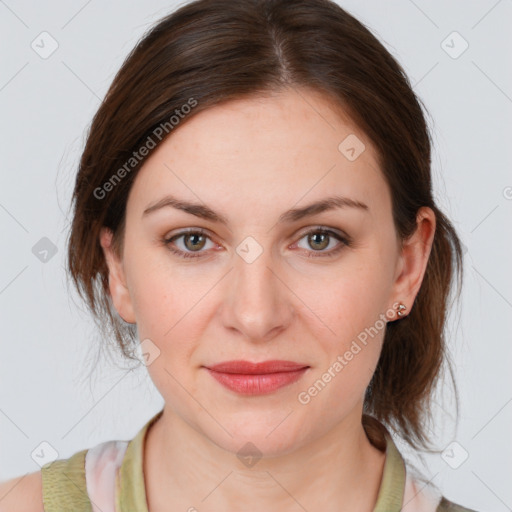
401	309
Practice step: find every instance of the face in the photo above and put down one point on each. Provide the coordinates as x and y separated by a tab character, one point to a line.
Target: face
316	290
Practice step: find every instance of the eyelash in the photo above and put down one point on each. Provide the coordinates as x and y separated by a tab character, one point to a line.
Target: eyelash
324	231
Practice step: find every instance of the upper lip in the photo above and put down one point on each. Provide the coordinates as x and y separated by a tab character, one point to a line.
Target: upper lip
249	368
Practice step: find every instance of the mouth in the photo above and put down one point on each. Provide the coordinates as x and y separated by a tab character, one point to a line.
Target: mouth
247	378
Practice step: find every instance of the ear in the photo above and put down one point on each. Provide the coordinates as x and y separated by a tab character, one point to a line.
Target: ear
116	278
414	258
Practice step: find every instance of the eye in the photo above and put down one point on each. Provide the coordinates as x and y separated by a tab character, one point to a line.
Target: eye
321	238
193	240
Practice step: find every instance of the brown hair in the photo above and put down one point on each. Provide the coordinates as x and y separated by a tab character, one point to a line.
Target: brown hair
211	51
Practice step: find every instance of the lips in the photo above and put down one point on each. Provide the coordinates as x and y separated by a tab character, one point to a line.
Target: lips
249	368
247	378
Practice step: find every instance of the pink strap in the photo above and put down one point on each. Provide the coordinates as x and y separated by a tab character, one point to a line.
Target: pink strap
419	497
101	465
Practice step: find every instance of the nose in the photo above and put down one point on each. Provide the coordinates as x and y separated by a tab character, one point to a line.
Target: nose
257	300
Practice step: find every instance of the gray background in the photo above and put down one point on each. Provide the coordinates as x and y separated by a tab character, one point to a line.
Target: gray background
46	106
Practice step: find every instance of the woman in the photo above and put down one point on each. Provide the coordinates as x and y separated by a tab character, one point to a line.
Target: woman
254	206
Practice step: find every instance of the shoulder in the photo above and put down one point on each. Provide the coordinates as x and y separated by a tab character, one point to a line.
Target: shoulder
22	493
42	490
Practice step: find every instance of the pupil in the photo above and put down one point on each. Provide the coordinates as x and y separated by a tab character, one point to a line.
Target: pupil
194	244
315	241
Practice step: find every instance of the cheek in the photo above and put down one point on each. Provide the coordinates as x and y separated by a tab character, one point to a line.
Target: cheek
164	310
348	300
162	295
349	326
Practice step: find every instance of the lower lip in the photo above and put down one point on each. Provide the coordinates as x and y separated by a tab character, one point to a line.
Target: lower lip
257	384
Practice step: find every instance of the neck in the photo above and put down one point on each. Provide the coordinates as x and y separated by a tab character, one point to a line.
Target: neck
340	471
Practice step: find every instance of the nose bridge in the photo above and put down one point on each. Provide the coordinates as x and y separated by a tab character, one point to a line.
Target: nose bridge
257	304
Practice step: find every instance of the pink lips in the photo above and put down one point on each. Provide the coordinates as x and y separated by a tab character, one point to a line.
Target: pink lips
249	378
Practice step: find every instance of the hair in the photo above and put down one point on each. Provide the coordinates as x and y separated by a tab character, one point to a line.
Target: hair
212	51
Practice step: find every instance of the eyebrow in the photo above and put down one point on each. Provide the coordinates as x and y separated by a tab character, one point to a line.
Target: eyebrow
205	212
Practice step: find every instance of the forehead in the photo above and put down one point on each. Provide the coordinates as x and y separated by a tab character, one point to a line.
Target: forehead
260	151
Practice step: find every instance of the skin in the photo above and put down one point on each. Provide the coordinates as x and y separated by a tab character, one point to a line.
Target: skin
251	160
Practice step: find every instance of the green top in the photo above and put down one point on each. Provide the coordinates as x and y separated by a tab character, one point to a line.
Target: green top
64	482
